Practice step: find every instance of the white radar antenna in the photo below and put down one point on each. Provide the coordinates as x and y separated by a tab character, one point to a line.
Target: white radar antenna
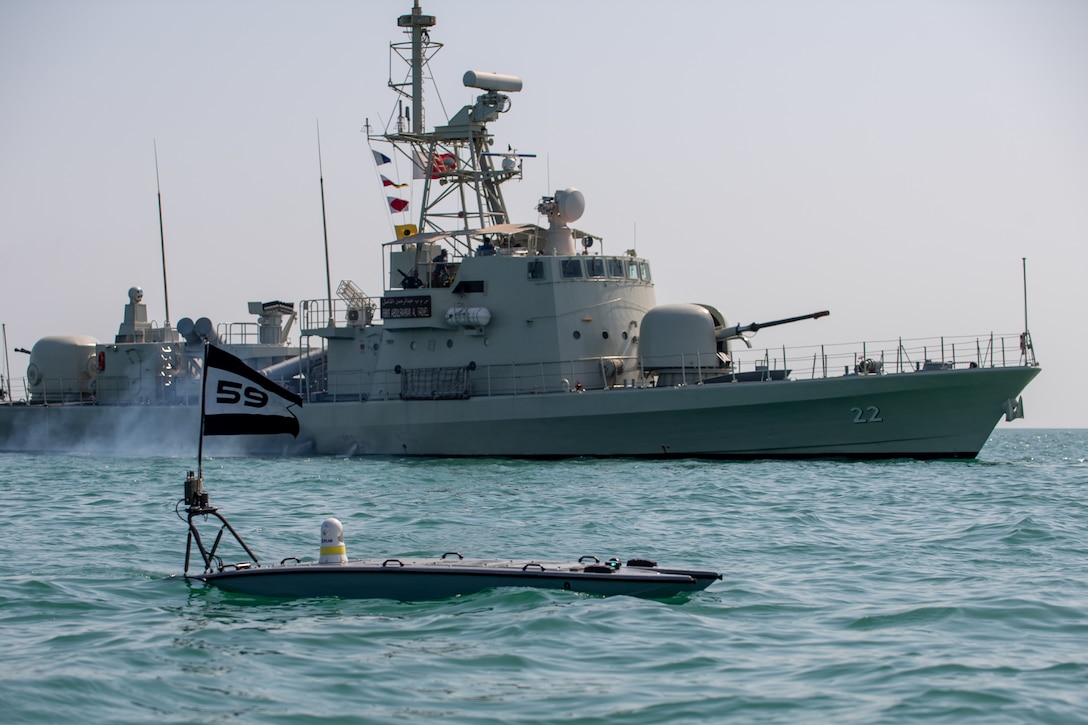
565	207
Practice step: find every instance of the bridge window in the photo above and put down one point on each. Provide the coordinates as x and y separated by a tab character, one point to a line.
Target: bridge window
594	267
536	269
469	285
572	268
615	267
644	271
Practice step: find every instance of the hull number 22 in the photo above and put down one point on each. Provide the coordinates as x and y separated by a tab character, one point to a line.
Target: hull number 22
871	414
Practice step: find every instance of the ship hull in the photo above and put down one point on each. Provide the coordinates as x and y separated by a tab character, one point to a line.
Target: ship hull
931	414
939	414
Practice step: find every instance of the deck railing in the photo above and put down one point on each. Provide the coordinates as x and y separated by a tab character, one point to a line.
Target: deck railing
14	390
882	357
902	355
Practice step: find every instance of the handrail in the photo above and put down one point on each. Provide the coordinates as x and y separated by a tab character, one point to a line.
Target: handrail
899	356
884	357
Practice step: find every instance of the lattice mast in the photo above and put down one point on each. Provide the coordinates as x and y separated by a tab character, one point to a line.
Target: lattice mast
460	184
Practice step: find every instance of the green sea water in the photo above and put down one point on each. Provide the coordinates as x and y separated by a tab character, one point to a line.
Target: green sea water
853	592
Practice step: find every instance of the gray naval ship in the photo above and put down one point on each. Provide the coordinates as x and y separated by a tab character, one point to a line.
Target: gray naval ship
498	338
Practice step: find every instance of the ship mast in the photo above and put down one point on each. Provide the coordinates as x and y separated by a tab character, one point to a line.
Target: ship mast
460	184
417	23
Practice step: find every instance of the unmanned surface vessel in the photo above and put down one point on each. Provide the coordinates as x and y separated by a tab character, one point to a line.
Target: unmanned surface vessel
413	579
271	408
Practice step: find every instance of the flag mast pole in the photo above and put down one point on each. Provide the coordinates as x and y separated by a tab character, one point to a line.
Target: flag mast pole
237	396
195	498
203	392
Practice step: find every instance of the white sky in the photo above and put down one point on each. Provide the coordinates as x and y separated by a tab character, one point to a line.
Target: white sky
890	161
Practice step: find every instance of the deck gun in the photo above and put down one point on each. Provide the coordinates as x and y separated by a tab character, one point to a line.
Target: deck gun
736	332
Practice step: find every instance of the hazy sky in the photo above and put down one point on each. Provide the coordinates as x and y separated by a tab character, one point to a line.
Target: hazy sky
889	161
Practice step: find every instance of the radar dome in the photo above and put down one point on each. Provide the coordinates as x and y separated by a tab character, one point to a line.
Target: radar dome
571	204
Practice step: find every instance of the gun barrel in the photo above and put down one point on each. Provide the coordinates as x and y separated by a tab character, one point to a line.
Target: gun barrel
728	333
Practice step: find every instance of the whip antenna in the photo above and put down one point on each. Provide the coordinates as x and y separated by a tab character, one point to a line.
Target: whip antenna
1027	349
324	226
1024	261
162	239
7	364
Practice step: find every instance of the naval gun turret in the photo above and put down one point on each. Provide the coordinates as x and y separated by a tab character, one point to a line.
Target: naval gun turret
736	332
685	344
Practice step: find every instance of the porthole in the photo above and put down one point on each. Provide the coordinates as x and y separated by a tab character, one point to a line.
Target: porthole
577	335
605	334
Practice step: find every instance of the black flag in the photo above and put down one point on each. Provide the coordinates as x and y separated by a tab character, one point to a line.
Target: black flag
238	400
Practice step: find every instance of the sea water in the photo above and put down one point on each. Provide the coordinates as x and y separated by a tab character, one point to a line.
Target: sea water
853	592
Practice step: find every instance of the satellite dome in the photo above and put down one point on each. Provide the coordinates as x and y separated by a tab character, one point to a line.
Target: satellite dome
570	204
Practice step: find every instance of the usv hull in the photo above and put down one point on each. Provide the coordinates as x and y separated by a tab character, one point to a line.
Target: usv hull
421	579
